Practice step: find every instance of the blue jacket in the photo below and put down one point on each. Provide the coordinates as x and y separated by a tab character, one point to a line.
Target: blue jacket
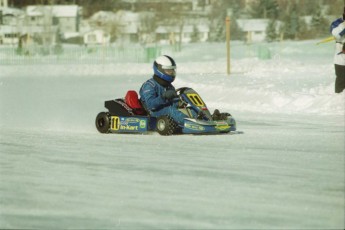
151	95
339	32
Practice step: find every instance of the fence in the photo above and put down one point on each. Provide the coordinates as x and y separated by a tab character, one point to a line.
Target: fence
76	54
128	54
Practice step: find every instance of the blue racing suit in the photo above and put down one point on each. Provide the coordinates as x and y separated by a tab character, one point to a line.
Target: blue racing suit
151	97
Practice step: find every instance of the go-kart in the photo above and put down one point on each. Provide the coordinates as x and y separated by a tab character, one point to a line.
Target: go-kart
127	115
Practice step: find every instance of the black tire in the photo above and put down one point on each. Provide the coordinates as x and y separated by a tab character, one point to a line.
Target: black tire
166	126
103	122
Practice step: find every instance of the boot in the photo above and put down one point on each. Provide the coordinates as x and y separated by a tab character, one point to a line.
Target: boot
217	116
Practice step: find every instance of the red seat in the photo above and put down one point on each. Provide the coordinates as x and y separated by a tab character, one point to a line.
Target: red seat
132	101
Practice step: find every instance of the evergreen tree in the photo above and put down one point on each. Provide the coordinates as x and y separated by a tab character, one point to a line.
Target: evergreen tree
271	31
90	6
195	34
294	24
334	8
291	21
319	24
303	31
235	30
310	6
217	20
264	9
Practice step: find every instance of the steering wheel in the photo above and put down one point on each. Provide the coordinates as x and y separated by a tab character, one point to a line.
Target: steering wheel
181	90
182	102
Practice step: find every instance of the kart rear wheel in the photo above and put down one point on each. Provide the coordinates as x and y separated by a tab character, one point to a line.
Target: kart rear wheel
103	122
166	126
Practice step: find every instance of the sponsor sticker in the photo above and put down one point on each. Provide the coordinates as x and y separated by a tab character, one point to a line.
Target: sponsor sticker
128	127
222	127
142	124
194	127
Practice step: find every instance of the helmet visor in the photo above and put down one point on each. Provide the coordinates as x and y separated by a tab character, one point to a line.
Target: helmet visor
168	66
170	72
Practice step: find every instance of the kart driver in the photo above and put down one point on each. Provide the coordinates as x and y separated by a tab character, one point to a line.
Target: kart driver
159	97
157	94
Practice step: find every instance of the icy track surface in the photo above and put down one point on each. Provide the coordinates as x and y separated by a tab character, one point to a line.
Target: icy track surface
286	171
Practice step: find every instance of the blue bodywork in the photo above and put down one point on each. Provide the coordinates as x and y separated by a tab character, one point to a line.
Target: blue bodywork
189	103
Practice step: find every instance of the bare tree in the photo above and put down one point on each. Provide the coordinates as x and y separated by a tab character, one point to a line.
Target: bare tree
173	16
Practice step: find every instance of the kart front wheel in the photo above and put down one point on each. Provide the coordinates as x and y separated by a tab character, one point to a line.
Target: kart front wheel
103	122
166	126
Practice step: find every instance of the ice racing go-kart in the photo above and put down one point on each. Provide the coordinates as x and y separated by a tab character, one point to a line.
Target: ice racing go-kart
127	115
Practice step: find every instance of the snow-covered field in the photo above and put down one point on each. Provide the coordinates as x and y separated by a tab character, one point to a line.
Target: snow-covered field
286	171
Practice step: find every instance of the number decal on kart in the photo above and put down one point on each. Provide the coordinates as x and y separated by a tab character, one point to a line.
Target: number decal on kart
195	98
115	123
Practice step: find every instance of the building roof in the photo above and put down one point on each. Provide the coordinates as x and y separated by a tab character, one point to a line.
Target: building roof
103	16
253	24
65	11
55	10
11	11
127	16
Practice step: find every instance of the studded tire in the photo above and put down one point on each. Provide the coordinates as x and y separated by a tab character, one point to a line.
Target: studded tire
103	122
166	126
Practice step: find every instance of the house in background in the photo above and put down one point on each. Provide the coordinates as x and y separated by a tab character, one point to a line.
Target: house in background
44	23
66	18
9	35
150	5
132	28
11	20
254	29
128	24
122	26
96	37
10	16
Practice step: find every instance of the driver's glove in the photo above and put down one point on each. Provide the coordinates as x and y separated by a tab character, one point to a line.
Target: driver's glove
169	94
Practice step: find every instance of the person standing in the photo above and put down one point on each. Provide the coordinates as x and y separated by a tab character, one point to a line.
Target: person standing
338	31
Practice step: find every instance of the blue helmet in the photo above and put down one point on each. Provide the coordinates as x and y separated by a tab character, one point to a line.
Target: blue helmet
164	67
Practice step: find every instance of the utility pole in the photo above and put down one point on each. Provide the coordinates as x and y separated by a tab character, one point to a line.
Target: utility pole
4	3
227	24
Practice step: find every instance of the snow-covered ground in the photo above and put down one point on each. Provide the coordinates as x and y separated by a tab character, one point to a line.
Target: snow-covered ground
286	171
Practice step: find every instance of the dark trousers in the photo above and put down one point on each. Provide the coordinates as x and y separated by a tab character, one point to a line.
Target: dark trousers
340	78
